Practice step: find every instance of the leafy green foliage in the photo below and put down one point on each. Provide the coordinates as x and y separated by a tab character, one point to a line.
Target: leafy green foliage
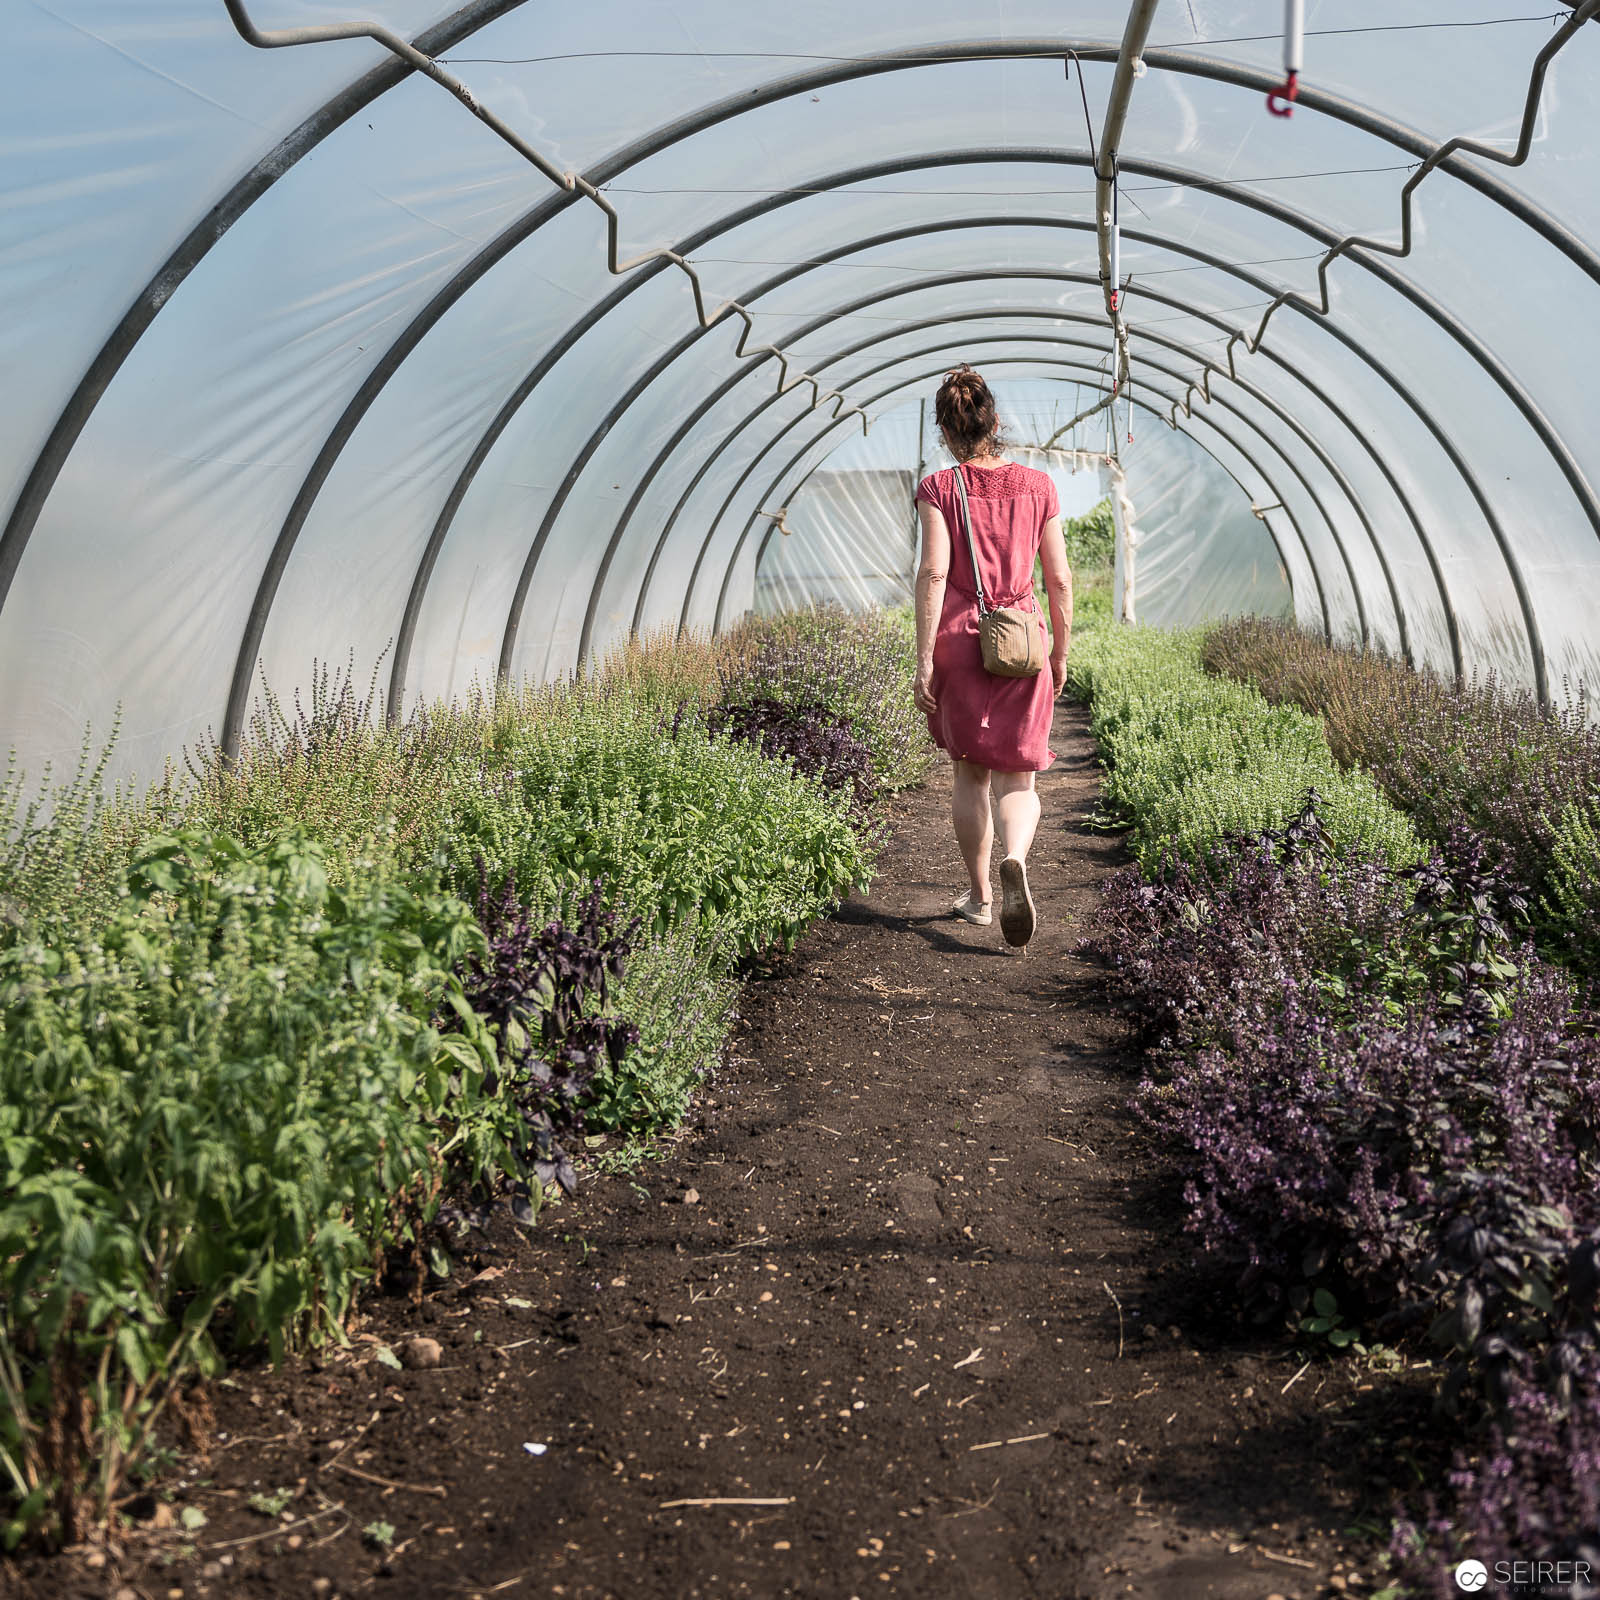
63	846
226	1096
669	670
811	738
1091	548
1091	539
676	992
270	1503
1195	759
860	668
1525	778
1574	882
332	767
674	822
1327	1322
239	1058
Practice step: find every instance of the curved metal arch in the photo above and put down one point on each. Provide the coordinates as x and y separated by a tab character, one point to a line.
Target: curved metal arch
1272	533
1145	385
668	134
470	18
712	457
1530	621
194	247
1148	364
1447	609
1265	400
1083	344
1435	567
924	375
1431	308
400	664
1067	158
356	409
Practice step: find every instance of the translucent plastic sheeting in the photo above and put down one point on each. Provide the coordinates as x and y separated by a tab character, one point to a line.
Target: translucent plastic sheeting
121	126
925	386
673	387
1201	551
852	530
738	556
850	535
265	316
917	303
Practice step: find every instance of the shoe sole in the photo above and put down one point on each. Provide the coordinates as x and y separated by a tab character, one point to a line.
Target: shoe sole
1018	918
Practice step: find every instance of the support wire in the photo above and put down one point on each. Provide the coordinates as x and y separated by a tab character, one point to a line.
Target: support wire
572	182
1581	14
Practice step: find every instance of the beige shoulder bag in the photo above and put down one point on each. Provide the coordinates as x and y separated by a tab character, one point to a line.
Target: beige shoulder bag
1013	644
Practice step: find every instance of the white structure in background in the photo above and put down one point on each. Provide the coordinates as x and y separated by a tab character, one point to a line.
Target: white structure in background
1124	572
1182	523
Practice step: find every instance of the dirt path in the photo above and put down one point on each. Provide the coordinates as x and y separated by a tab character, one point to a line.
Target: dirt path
927	1297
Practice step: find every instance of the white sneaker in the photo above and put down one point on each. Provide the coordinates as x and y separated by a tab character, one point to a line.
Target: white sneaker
977	912
1017	915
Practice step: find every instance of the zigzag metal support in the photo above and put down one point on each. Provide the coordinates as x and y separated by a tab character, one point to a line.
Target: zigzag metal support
1203	386
1323	306
573	183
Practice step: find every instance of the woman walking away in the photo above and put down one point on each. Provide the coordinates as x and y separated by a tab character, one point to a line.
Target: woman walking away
981	644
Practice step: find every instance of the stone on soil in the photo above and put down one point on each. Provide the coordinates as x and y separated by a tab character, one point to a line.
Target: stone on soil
421	1353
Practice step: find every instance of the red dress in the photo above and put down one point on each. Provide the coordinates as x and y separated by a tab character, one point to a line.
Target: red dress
999	723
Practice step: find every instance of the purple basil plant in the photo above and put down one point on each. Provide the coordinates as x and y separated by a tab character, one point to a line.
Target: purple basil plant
541	988
1373	1090
1527	1502
817	742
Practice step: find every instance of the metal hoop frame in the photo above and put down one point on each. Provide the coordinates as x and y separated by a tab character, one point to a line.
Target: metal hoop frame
1529	620
922	376
1154	411
811	443
1431	308
469	19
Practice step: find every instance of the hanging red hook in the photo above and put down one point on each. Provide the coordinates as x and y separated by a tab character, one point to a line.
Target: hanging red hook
1281	101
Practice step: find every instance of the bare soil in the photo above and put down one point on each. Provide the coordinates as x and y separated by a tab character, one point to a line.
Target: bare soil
907	1311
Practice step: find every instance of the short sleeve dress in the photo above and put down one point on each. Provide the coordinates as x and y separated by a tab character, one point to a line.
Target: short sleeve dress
999	723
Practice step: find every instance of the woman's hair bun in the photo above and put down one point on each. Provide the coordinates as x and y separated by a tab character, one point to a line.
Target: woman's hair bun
964	407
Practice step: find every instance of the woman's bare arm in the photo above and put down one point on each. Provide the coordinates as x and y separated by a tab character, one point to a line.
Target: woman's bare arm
932	572
1058	590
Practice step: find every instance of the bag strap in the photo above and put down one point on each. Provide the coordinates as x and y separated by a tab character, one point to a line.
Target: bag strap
972	547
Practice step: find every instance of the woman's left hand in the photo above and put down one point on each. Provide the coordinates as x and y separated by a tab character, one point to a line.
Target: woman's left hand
922	693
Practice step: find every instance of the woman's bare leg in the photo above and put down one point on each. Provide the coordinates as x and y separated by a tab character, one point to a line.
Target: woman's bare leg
1016	806
969	810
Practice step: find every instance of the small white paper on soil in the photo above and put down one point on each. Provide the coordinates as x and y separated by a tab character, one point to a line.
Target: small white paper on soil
536	1449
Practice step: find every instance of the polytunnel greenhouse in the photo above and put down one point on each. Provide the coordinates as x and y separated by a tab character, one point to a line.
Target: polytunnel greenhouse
510	518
